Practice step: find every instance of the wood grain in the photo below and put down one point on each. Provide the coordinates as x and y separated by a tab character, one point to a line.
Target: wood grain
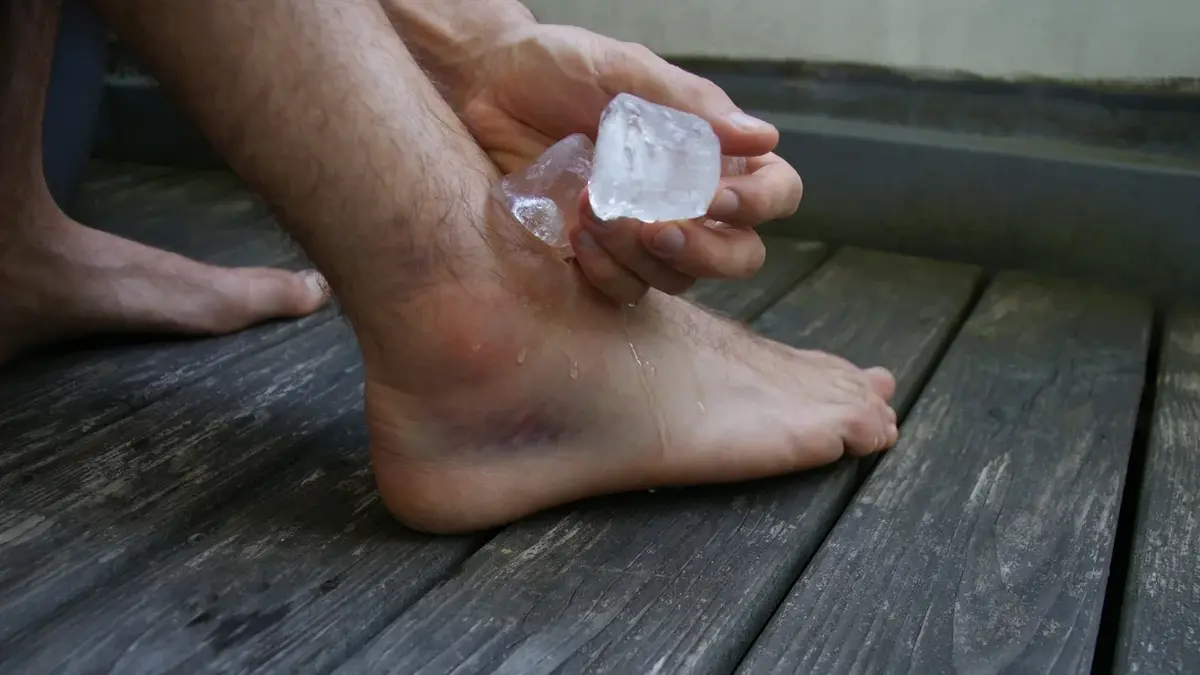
48	400
981	544
296	577
677	580
130	487
290	580
1160	616
787	262
195	213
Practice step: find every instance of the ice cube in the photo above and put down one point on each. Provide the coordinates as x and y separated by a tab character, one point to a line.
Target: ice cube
653	163
544	196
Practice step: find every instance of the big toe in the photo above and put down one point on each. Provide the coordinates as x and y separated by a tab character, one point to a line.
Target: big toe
257	294
882	382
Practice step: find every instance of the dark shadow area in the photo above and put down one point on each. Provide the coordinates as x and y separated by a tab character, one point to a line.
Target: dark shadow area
1108	634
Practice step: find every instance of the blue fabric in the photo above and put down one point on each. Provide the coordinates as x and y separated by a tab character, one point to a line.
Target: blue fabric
73	99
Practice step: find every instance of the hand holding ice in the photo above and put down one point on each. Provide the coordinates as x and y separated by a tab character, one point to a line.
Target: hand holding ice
653	163
544	197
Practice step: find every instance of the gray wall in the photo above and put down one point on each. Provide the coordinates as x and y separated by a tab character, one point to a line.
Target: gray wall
1068	39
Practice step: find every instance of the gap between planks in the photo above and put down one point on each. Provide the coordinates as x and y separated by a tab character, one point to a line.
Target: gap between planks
290	584
1158	628
678	579
982	542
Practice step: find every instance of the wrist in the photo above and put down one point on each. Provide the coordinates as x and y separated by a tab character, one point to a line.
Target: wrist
450	37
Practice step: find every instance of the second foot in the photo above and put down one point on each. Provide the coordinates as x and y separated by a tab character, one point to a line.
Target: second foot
522	403
64	280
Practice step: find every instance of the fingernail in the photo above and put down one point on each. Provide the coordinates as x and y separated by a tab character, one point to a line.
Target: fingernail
316	281
586	239
668	241
749	122
725	205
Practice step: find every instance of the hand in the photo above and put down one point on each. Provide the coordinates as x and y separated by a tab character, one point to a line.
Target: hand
543	83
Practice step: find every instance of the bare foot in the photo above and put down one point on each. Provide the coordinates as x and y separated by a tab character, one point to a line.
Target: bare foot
539	393
63	280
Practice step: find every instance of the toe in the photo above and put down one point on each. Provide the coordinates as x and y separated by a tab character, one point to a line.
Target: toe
256	295
865	431
893	436
882	382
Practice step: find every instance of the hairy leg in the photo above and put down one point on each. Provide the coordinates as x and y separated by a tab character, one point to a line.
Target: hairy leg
61	279
498	382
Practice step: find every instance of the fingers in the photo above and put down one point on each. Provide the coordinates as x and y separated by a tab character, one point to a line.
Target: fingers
623	258
614	281
622	240
771	189
632	68
705	252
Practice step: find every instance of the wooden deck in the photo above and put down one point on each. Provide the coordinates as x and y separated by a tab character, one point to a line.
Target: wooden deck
206	505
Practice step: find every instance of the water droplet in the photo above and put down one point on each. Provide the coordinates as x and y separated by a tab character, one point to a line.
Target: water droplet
476	348
701	406
574	369
521	355
651	490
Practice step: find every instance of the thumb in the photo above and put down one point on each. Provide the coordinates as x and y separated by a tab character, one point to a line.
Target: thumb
632	68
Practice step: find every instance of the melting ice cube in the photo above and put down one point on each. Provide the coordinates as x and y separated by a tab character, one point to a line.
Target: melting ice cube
653	163
544	196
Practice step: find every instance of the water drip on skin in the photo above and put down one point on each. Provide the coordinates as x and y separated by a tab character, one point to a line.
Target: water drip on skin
476	348
521	356
641	372
700	405
574	370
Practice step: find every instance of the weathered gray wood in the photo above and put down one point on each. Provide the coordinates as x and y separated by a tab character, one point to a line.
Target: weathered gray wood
981	544
289	580
1160	616
128	488
293	579
787	262
678	580
49	400
199	214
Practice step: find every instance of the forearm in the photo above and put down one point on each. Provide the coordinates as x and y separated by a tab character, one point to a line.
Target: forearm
447	35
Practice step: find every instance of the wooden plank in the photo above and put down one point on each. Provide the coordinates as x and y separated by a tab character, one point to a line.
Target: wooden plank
338	569
1160	616
130	487
195	213
677	580
981	543
787	262
290	580
49	400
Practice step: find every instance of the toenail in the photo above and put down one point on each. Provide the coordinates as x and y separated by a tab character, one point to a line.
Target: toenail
669	241
316	281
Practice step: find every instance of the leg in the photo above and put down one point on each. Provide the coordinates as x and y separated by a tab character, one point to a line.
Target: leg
61	279
498	383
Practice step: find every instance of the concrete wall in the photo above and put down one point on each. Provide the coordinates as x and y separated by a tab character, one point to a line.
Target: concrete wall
1070	39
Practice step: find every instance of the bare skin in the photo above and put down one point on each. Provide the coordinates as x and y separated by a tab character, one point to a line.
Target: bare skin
498	380
520	86
61	279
